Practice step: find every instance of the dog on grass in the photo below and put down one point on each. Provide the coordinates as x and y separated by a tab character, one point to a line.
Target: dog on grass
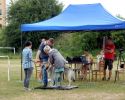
68	73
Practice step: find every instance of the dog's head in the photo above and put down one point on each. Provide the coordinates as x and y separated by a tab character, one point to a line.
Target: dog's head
67	68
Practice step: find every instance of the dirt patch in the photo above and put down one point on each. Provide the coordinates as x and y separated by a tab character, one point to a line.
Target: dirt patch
59	95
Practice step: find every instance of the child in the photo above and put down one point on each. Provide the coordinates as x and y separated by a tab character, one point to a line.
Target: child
27	64
58	61
86	65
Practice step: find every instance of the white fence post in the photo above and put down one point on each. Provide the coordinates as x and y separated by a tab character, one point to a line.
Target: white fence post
8	70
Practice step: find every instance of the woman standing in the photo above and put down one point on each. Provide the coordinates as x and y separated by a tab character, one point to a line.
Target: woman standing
27	64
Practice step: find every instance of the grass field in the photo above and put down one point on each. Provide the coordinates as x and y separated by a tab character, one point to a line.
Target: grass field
13	90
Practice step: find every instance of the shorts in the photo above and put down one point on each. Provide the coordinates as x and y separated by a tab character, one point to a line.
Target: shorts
44	60
58	70
108	64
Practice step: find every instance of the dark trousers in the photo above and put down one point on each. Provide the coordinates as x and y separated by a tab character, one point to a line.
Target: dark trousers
44	75
28	73
108	64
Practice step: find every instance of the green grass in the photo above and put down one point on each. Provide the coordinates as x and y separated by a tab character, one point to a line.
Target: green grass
11	55
13	90
65	54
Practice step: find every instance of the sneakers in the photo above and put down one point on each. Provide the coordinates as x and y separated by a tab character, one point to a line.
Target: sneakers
40	81
27	89
44	86
104	79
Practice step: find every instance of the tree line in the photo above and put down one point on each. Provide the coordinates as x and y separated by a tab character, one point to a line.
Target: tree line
31	11
28	11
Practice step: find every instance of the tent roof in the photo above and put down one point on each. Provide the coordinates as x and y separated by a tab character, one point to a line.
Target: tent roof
78	17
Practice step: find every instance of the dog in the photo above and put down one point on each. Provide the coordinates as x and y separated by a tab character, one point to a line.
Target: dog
68	73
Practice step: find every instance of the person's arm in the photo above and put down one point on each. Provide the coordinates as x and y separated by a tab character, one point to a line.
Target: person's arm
37	55
92	60
65	61
110	50
51	59
30	55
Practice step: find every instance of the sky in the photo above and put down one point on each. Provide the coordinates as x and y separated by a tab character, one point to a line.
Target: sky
115	7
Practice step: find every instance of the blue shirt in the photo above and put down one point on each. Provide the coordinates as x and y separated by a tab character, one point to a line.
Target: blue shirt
43	55
27	58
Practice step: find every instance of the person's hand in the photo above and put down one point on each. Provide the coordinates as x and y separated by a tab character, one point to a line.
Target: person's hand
108	51
102	51
66	62
37	60
47	68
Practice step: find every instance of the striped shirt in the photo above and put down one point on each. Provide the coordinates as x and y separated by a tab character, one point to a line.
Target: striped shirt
27	58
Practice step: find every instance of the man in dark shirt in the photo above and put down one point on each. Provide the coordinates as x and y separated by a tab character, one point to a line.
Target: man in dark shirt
43	58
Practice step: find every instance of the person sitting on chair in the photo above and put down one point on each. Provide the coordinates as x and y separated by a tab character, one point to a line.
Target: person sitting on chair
86	64
108	57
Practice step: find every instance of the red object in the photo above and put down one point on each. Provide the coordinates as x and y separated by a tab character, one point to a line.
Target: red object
109	55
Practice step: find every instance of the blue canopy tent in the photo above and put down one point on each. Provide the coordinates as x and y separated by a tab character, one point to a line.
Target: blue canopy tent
76	18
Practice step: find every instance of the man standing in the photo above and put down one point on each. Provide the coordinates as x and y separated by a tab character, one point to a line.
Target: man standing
58	62
43	57
109	51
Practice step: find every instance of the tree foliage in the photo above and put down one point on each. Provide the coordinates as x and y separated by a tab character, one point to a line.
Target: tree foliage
29	11
73	44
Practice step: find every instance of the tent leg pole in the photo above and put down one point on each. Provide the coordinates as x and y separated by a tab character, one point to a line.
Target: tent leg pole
21	55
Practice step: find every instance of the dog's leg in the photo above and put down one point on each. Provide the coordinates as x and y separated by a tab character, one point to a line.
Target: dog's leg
69	83
69	79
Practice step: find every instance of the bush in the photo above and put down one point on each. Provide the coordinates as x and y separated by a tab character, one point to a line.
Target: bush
73	44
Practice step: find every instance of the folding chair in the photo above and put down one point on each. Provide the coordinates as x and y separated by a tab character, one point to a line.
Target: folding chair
88	76
37	68
119	71
97	70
